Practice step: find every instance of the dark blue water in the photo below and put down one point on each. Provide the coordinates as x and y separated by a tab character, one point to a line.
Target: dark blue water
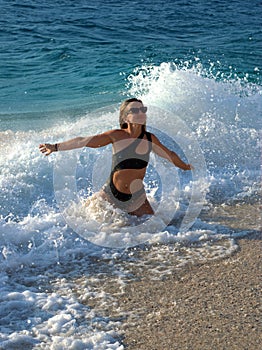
68	55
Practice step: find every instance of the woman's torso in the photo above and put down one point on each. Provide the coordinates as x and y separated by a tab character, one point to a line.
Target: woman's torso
129	162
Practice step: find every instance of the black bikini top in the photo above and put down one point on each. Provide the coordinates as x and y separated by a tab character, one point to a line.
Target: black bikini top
128	158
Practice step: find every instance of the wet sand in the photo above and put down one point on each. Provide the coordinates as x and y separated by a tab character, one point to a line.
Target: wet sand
209	306
212	306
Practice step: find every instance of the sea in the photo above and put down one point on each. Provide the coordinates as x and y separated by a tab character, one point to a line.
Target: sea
65	68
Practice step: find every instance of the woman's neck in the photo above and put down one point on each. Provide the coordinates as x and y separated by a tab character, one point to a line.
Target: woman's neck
134	130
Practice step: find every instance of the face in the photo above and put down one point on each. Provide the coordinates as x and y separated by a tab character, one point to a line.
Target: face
135	113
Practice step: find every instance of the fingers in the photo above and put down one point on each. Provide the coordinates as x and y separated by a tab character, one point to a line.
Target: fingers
41	148
45	149
189	167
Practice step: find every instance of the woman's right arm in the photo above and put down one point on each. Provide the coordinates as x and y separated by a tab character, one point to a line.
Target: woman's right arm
79	142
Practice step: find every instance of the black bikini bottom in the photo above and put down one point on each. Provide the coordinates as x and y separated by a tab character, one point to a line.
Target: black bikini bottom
125	201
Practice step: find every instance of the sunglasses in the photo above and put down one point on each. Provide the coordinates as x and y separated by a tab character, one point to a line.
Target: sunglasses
135	110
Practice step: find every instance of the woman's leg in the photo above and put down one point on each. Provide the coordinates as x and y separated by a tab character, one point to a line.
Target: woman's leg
144	209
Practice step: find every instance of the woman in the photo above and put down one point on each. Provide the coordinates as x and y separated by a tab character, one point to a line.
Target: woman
132	145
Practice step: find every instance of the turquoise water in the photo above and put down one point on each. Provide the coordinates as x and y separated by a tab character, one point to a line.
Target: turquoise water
76	56
197	66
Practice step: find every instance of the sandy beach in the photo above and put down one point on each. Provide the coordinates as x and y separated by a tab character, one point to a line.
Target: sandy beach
211	306
204	306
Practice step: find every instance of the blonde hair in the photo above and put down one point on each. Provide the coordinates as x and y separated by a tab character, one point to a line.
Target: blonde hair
122	114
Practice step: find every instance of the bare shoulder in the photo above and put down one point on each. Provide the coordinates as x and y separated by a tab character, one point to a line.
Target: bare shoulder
117	134
155	139
112	134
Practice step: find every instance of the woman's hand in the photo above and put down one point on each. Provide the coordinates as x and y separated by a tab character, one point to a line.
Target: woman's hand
47	148
189	167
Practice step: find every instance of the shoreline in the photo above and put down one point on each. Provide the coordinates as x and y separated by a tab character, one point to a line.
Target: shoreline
214	305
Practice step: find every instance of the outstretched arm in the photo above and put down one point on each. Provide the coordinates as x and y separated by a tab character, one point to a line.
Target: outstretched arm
78	142
166	153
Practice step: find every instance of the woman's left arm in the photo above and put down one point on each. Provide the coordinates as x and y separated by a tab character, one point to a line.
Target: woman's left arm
166	153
